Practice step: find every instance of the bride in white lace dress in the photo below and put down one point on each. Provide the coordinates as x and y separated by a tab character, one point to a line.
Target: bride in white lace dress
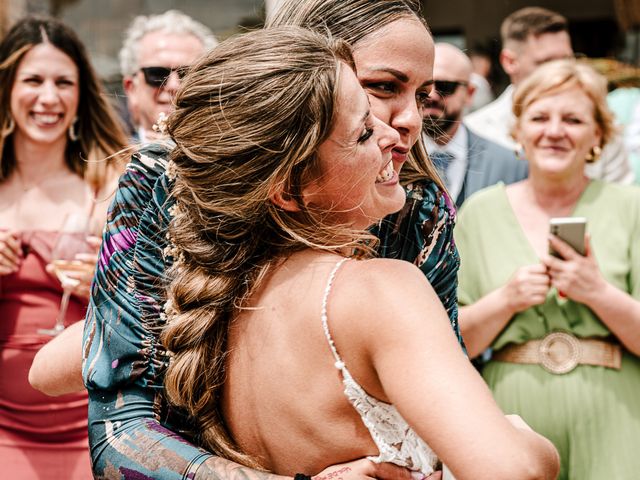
268	324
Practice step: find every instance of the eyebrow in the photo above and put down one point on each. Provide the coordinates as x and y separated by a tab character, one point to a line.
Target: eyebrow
399	75
38	74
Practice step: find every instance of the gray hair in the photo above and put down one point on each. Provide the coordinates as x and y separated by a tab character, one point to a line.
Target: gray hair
171	21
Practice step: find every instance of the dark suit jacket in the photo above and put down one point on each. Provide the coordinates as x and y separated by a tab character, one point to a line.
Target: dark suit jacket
488	164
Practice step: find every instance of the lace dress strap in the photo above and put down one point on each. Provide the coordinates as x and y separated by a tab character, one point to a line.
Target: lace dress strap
396	441
325	322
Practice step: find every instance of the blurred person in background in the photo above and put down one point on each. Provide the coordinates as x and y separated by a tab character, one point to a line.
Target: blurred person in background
481	64
565	331
625	102
59	140
532	36
466	161
156	52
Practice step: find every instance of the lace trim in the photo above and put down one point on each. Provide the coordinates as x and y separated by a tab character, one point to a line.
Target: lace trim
396	441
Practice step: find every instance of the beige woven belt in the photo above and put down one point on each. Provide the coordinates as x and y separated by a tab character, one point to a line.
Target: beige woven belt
561	352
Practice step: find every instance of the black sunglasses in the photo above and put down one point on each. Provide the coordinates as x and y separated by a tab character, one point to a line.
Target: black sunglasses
447	87
157	76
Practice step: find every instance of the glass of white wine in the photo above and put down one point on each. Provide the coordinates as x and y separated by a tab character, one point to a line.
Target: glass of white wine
72	240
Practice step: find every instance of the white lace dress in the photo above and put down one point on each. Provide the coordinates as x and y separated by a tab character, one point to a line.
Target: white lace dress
396	441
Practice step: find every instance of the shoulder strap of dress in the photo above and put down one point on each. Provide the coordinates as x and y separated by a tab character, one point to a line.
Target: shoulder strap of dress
325	324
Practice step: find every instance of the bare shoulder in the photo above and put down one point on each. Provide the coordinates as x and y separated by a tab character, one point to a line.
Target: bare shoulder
369	291
377	275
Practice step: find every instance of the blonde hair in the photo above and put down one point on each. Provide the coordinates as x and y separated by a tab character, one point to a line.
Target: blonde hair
97	154
559	75
354	21
248	121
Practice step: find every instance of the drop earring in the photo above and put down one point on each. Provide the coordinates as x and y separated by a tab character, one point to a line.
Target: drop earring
519	151
73	132
594	154
10	128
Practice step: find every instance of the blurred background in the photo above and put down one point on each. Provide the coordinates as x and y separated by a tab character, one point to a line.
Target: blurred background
607	30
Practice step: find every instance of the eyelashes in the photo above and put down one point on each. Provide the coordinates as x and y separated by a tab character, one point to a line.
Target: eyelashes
366	135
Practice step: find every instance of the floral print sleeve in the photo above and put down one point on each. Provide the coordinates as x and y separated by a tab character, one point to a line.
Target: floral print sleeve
422	233
131	430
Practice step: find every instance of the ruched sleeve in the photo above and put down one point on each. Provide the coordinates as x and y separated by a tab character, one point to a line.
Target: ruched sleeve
131	429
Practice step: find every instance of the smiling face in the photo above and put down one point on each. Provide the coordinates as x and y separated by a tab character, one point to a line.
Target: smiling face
159	49
557	132
395	67
44	95
357	184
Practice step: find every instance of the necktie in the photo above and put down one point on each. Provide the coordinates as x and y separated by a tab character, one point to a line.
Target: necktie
441	161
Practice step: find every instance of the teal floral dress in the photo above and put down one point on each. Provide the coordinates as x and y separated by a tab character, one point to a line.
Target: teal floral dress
133	433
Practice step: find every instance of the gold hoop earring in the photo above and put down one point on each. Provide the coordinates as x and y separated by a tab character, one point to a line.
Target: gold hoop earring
519	151
9	130
73	133
594	154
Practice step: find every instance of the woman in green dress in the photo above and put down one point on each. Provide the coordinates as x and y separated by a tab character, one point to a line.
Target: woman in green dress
565	332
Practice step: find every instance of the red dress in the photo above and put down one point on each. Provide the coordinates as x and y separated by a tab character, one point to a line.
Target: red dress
41	437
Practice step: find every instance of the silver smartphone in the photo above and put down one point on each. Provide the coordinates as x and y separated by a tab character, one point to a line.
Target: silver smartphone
569	229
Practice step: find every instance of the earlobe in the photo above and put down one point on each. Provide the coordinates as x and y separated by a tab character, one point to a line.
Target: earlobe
471	90
127	84
508	60
283	200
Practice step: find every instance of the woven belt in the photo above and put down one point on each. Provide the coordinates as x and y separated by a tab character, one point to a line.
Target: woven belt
561	352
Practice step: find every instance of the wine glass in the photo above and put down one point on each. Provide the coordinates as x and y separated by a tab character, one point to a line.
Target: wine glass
72	239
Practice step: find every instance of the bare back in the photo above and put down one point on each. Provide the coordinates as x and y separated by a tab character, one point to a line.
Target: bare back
283	398
288	404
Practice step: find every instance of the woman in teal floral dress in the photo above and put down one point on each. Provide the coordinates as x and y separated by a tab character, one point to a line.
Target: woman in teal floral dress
132	432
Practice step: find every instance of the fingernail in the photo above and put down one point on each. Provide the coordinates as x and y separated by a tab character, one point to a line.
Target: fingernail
417	475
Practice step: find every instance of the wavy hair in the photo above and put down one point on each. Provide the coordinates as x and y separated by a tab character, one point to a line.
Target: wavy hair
101	138
354	21
249	119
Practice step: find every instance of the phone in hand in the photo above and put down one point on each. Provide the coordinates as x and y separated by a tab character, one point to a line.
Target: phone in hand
571	230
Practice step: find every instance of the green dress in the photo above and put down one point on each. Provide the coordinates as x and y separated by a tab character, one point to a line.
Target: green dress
591	414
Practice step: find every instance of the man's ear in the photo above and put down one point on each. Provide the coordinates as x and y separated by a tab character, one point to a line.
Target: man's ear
471	90
509	61
127	84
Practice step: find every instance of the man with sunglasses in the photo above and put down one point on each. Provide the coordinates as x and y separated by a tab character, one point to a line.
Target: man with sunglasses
157	51
465	161
532	36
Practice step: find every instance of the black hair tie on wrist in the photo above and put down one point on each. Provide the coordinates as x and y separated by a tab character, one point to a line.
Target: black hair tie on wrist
301	476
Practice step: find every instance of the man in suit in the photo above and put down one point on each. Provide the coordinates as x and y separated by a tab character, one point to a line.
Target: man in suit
532	36
465	161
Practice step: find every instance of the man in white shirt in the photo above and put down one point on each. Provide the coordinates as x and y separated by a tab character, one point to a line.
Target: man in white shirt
155	54
465	161
532	36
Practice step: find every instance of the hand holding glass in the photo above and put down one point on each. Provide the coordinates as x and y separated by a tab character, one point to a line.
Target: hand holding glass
72	240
